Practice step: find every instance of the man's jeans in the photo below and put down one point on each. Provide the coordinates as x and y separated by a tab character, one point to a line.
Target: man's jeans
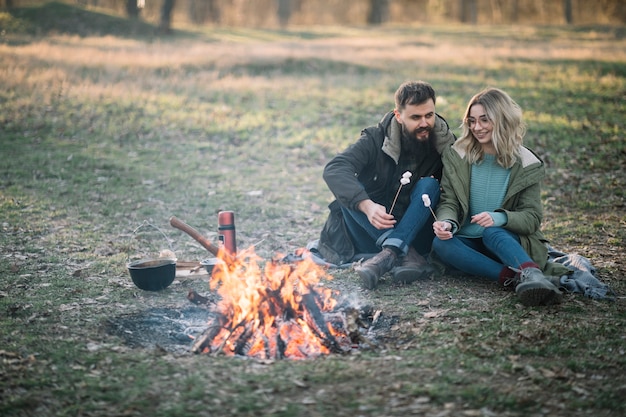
415	227
486	256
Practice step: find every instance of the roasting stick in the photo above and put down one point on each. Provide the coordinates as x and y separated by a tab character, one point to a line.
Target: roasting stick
426	200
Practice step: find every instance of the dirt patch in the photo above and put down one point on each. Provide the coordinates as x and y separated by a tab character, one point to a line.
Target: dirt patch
168	328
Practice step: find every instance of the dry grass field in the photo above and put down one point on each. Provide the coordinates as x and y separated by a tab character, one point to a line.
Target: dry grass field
101	134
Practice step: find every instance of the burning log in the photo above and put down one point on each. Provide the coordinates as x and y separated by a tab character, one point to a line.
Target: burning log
310	303
203	342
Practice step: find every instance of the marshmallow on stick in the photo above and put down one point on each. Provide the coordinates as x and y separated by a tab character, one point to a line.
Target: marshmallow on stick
406	178
426	200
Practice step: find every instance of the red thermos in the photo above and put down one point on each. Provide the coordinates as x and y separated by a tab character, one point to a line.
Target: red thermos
226	231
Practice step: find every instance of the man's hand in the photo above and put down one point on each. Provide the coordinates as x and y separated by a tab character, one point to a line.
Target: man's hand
377	214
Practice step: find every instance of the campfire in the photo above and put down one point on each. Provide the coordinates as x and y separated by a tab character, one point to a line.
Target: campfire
280	310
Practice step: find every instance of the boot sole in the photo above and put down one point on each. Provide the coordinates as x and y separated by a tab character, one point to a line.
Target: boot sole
408	275
537	294
369	280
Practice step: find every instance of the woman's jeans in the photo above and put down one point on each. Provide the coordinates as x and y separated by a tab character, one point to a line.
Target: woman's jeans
415	227
486	256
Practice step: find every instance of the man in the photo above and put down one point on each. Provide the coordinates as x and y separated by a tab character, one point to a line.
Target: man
366	180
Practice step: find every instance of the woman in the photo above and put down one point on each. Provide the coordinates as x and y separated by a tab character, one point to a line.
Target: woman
489	215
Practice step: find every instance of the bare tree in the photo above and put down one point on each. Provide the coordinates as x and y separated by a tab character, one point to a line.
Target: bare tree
469	12
379	12
131	9
567	10
496	11
620	12
514	10
284	12
202	11
166	16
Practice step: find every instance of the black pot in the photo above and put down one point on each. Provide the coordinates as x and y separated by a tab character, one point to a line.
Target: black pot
153	274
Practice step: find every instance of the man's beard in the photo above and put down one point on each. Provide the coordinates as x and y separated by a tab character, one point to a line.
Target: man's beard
411	144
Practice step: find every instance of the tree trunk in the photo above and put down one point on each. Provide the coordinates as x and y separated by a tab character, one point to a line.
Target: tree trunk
166	16
514	11
469	13
379	12
131	9
567	10
202	11
284	12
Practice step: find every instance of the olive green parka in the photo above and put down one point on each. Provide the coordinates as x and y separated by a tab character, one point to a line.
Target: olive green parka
522	202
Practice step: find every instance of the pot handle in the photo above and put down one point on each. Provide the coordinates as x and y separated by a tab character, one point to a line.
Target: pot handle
146	223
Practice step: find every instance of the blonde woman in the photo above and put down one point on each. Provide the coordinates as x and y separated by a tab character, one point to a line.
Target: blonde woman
490	212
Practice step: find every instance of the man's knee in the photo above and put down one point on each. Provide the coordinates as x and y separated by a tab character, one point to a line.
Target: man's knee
426	185
429	183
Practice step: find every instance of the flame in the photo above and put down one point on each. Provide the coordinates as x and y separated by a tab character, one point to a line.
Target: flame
272	312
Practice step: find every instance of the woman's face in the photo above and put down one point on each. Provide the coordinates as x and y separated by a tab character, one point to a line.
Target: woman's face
480	125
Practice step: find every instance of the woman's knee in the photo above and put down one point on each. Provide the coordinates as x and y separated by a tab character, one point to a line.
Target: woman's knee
492	235
490	232
440	246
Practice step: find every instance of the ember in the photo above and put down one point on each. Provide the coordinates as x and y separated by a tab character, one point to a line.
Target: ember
279	311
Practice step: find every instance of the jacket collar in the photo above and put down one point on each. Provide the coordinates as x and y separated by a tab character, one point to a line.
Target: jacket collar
527	157
392	145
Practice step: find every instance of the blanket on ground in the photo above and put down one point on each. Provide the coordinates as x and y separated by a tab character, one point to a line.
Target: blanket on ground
583	279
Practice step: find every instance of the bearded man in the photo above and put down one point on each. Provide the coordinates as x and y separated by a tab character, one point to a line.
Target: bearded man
378	183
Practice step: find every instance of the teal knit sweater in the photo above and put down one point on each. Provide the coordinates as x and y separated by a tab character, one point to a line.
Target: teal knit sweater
489	182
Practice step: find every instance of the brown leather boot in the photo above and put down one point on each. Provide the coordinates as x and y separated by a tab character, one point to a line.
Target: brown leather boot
374	268
412	267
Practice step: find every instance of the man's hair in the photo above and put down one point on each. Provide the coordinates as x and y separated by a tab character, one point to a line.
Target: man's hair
508	127
412	93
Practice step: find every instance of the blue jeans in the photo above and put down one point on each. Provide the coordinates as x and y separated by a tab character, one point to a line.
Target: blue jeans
487	256
415	227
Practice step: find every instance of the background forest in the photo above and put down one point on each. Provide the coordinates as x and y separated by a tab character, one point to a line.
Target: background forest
272	13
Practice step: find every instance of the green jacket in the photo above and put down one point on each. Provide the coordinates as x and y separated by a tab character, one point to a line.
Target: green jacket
522	202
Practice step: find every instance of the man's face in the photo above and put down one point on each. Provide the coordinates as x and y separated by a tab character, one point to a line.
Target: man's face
417	120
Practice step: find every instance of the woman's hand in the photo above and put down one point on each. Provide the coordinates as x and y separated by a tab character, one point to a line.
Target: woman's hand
483	219
377	215
443	230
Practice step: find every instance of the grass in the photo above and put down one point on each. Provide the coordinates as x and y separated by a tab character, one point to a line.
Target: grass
103	129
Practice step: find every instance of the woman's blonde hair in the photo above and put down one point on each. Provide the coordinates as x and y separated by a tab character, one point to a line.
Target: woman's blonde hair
508	127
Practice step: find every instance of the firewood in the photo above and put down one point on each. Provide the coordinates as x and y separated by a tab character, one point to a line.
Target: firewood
198	299
203	342
310	302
